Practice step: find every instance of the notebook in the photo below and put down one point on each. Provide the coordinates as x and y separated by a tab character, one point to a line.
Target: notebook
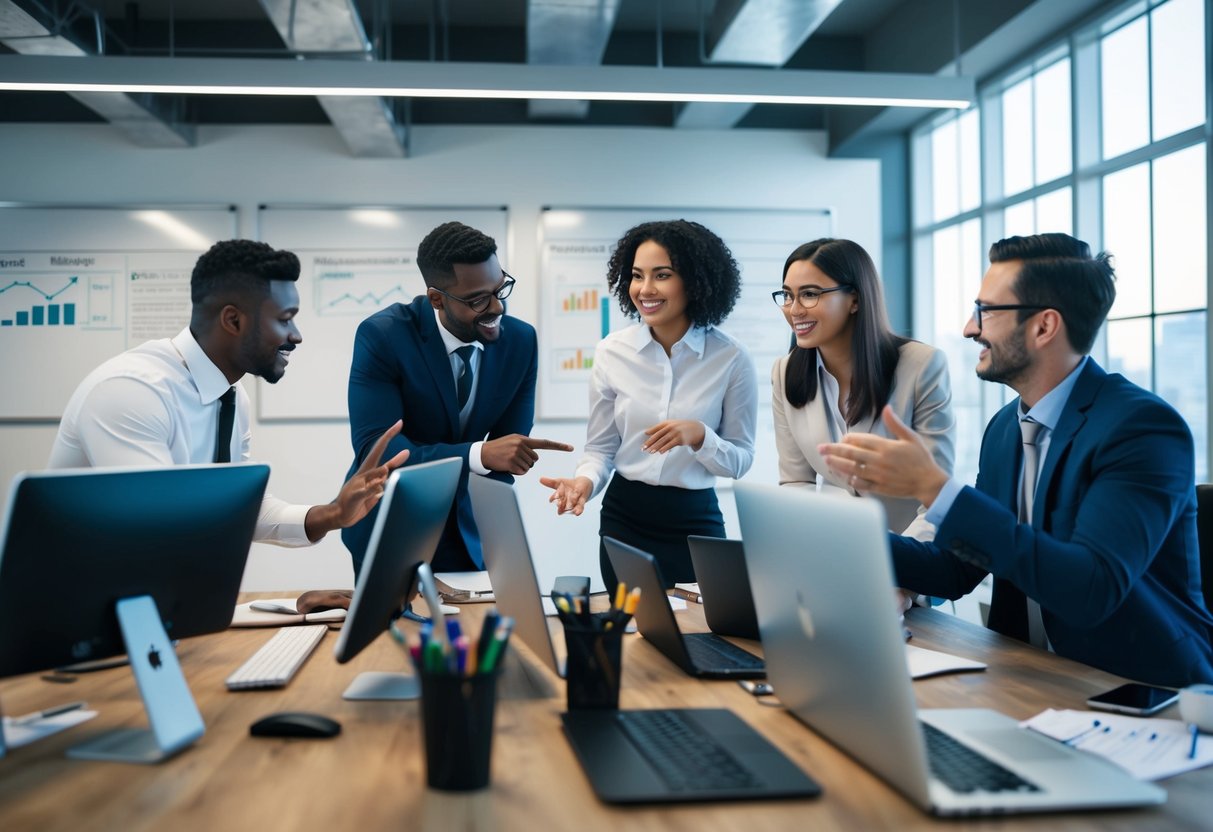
724	586
835	654
699	654
507	554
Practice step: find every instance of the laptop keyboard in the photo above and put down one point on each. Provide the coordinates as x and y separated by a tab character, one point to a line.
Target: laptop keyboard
685	757
964	770
713	653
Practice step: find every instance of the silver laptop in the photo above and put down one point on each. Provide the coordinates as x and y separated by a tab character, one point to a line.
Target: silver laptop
511	570
820	568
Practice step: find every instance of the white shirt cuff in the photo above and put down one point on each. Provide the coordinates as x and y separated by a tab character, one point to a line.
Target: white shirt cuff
475	463
943	503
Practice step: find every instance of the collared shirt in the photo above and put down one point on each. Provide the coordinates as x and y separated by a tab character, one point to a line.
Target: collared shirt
158	404
634	385
452	343
1047	412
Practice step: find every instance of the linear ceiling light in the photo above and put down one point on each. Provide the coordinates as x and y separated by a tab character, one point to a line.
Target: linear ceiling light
240	76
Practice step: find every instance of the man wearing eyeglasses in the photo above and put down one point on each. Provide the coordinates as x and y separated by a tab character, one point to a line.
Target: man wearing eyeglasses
458	373
1084	508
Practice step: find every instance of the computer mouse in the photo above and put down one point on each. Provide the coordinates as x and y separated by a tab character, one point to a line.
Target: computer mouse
295	724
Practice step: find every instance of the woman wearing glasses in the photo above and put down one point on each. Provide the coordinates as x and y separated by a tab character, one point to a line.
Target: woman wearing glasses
673	400
846	364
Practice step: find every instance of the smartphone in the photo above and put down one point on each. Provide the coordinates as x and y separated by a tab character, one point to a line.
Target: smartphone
756	688
1139	700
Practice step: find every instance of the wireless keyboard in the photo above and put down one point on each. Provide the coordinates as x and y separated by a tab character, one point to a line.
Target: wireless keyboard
275	662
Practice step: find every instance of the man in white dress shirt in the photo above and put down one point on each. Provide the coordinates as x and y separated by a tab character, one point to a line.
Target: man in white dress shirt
163	402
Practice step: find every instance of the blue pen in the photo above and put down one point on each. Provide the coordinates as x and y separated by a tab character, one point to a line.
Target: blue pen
1195	733
453	630
1094	726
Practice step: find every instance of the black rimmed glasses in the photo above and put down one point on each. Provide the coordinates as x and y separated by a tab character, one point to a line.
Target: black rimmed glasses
479	303
980	309
808	296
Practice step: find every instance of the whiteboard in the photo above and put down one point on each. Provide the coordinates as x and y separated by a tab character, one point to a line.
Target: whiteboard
576	310
79	285
355	261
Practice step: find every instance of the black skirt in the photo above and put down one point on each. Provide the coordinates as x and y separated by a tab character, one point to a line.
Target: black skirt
657	519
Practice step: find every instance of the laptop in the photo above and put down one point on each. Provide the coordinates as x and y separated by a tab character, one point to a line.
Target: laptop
705	655
507	555
680	755
724	586
834	652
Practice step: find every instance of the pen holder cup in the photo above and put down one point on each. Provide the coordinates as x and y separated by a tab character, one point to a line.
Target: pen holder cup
593	667
457	719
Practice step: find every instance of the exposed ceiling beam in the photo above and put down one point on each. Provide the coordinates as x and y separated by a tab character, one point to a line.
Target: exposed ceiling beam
761	32
256	76
333	26
569	33
146	121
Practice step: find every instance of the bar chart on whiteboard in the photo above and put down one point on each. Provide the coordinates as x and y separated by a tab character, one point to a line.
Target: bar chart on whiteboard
61	314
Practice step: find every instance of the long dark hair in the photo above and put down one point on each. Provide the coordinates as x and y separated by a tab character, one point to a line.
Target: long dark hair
874	345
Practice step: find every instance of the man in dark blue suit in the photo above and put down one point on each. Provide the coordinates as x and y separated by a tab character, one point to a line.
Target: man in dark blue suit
1085	507
458	373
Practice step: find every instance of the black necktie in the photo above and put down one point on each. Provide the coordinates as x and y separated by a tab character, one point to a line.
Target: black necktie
464	384
227	417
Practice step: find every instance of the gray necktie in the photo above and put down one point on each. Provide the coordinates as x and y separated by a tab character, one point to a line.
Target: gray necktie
464	385
1027	493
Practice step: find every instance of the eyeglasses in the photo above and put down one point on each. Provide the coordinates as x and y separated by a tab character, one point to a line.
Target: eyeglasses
479	303
808	297
980	309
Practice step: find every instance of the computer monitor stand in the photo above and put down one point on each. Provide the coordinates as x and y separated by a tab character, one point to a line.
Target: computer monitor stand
387	686
171	712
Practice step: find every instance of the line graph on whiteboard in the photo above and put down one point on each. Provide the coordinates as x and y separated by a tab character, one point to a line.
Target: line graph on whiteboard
361	291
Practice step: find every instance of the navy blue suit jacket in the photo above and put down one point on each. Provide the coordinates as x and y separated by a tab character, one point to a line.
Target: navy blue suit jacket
1111	553
401	371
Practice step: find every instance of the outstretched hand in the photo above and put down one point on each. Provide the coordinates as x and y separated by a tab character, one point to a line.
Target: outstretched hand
515	454
897	467
569	494
360	493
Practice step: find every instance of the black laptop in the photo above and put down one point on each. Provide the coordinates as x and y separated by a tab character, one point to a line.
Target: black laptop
724	586
680	755
706	655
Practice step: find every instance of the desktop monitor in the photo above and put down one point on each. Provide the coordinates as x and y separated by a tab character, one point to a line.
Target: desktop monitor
100	562
412	514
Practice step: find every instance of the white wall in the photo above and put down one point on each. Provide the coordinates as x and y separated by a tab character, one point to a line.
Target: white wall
521	167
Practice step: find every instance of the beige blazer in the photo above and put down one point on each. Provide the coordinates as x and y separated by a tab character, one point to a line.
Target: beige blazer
921	397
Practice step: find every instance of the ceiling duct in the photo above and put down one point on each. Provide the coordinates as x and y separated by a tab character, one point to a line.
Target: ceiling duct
146	120
759	32
333	27
567	33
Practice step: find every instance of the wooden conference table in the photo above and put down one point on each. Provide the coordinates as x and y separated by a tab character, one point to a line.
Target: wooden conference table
372	777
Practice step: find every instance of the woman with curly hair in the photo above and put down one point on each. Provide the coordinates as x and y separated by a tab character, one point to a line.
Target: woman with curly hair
845	365
673	400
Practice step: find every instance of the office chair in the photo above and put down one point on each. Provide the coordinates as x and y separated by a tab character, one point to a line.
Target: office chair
1204	537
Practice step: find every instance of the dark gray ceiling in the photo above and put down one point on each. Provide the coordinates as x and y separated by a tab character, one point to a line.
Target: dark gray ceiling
855	35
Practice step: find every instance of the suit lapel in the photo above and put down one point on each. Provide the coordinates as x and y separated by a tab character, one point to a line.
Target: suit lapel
1073	417
1004	481
438	363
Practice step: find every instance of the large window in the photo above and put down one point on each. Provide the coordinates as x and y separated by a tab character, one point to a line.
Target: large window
1103	135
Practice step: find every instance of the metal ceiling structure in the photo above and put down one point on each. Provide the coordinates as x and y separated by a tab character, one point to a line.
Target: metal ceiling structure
712	39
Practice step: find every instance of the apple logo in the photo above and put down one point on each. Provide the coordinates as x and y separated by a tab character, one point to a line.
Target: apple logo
153	657
806	618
